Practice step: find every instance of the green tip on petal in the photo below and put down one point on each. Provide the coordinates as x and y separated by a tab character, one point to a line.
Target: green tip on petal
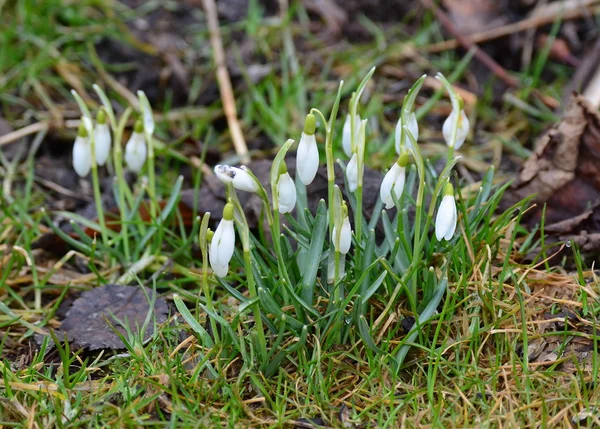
81	131
403	159
310	124
101	116
282	168
209	235
139	126
448	189
344	210
228	212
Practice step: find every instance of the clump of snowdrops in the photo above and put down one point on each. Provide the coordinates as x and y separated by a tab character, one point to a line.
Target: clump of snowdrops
310	285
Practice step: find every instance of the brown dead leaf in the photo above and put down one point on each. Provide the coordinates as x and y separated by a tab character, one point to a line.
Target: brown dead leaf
564	173
90	321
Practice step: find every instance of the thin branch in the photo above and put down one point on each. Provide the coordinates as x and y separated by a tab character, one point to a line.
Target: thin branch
225	88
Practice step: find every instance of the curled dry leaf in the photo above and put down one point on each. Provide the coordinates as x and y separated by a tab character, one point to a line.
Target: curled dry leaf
564	174
93	317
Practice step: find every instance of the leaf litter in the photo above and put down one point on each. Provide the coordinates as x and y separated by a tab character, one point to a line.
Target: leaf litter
91	321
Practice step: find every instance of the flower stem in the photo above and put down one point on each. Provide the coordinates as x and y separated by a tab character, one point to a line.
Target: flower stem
122	183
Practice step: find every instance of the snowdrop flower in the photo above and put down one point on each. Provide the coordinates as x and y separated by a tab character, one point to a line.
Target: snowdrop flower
445	221
238	177
286	190
102	138
413	127
222	244
307	156
135	149
394	181
82	152
462	131
457	121
347	133
342	242
352	173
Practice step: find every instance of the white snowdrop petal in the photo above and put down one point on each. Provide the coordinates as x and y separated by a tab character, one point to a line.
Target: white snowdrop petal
347	133
225	239
463	130
345	236
307	159
445	221
453	218
352	173
397	135
240	179
385	191
413	127
347	136
286	193
136	152
398	186
447	127
102	143
82	156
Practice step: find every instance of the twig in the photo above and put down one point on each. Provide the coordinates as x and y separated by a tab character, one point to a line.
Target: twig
224	81
568	10
22	132
488	61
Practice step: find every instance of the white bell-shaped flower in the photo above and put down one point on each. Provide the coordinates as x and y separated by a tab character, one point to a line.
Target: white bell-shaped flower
462	131
239	177
393	182
102	138
286	191
82	152
342	242
307	156
413	127
352	173
445	221
347	133
135	149
457	120
222	244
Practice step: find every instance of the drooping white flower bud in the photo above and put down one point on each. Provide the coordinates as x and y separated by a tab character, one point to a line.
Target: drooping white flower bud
286	190
413	127
102	138
445	221
82	152
393	182
307	156
135	149
222	244
462	131
457	120
342	242
352	173
347	133
239	177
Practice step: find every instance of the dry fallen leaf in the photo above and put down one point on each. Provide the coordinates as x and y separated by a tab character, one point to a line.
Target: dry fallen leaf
564	173
90	321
